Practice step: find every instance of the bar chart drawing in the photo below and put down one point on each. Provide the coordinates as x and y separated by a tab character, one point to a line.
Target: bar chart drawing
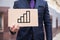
25	18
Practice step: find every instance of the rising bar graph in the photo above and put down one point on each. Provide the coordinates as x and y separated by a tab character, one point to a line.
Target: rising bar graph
25	18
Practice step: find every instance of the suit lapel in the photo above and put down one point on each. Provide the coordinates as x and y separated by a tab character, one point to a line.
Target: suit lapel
24	4
39	3
27	4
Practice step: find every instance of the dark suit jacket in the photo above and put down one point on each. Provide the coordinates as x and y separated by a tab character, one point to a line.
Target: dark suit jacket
36	33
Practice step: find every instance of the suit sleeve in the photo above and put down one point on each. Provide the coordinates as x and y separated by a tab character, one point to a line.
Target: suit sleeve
47	23
15	7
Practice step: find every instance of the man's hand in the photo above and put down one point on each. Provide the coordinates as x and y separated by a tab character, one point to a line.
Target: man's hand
14	28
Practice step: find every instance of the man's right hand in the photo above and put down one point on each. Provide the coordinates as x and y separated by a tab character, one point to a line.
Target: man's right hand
14	28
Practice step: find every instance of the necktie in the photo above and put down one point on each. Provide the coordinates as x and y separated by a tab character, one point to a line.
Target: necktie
32	3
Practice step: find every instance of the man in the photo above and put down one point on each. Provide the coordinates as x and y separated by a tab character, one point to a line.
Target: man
34	33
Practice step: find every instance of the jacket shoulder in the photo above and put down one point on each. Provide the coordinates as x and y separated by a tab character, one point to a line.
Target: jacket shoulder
15	4
16	1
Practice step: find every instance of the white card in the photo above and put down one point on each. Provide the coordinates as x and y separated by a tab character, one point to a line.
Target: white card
23	17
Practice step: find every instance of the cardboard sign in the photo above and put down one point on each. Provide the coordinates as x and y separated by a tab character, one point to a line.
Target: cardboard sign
23	17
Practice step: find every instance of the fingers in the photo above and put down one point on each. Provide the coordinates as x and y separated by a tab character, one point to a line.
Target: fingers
17	26
14	28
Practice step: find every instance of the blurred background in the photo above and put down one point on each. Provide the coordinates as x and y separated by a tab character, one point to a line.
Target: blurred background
54	10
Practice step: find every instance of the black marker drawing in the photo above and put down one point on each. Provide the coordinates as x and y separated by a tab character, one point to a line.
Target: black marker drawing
25	18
